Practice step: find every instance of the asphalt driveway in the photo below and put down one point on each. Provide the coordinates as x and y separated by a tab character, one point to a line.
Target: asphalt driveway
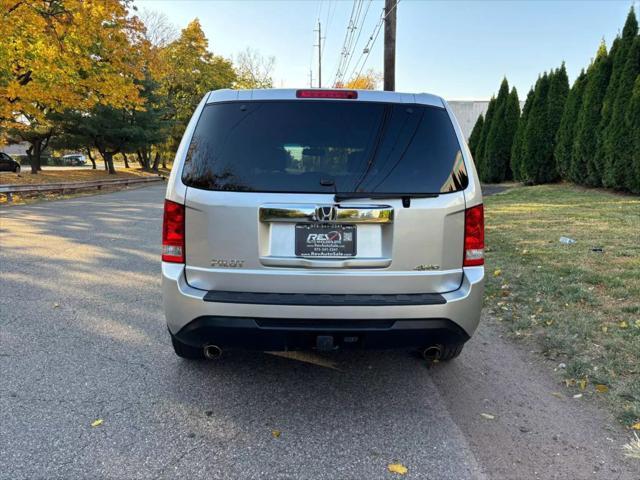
82	338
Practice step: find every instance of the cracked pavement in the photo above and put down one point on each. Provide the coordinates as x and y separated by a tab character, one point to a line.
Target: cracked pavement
82	337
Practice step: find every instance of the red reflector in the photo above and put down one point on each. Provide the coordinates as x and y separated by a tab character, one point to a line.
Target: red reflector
316	93
173	232
474	236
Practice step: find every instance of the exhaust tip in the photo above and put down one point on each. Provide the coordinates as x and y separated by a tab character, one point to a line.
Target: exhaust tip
212	352
432	353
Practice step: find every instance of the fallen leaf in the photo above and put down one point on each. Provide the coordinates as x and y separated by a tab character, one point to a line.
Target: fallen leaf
602	388
276	433
548	323
397	468
97	423
582	383
605	329
488	416
636	426
497	272
623	324
577	395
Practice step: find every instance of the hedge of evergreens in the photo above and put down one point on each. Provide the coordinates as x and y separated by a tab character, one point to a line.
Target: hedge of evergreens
587	134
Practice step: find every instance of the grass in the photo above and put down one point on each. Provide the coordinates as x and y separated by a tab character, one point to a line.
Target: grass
70	175
582	306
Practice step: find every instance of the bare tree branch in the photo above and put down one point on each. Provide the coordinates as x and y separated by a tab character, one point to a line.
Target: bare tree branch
159	30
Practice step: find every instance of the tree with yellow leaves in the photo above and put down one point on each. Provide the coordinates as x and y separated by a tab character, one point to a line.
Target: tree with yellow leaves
370	80
61	54
189	71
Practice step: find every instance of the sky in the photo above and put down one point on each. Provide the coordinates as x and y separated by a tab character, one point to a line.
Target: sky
457	49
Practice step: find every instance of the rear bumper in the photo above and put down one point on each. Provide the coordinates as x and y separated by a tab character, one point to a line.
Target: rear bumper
277	325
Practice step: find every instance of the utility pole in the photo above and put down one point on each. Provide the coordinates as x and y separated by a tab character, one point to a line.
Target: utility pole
311	77
390	9
319	30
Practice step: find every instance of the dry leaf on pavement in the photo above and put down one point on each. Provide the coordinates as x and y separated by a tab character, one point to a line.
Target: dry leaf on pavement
397	468
97	423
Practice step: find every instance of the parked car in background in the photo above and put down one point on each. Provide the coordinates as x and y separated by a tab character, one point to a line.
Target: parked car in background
322	219
8	164
74	159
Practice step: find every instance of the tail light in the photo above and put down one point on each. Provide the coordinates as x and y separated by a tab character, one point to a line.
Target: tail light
316	93
173	232
474	236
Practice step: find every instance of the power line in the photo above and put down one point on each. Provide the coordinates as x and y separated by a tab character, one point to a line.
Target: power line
355	44
366	51
348	38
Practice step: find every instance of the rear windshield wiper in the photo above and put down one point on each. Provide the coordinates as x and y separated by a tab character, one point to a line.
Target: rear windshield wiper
349	196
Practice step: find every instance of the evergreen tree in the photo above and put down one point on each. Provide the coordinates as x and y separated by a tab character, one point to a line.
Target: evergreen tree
558	92
619	54
500	140
512	117
495	153
534	145
633	120
488	119
474	138
618	140
586	167
518	140
567	130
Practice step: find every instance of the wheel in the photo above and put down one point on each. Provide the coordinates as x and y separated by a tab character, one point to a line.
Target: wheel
442	352
186	351
450	351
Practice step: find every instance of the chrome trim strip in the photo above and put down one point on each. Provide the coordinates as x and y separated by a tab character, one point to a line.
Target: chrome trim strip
303	262
343	213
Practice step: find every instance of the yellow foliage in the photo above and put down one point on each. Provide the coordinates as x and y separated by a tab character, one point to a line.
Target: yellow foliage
67	54
365	81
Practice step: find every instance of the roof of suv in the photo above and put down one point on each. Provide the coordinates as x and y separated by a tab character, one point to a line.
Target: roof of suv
228	95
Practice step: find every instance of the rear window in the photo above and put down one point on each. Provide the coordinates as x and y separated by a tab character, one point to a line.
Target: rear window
324	147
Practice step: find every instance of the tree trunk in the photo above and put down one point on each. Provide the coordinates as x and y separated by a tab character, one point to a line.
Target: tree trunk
156	161
164	162
108	161
34	153
93	160
126	160
144	156
140	160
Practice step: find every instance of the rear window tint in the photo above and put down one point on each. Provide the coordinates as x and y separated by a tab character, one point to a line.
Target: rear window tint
324	147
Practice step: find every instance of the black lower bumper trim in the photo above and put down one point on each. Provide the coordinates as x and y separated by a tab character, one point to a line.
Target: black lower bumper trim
295	334
351	300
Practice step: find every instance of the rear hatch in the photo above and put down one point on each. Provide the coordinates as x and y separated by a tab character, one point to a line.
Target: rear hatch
331	196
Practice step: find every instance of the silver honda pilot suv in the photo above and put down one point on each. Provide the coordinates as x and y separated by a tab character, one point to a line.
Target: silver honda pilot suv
322	219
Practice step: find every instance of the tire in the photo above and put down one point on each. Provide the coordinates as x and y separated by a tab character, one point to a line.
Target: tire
450	351
186	351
